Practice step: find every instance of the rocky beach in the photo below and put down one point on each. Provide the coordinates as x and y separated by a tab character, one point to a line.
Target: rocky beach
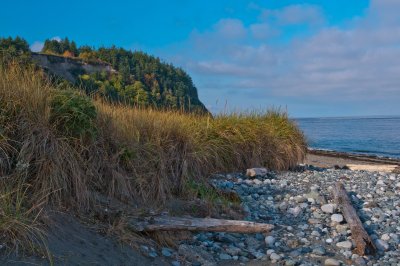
309	228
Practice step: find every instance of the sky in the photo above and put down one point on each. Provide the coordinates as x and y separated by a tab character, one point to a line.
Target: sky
311	58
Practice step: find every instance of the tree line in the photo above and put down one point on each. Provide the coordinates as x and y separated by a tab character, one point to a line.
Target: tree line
140	79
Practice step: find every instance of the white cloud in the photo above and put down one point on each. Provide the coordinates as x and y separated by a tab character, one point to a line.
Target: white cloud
230	28
295	14
56	38
359	63
263	31
37	46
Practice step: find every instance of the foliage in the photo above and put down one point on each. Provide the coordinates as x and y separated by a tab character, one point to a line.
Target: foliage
60	47
140	80
73	114
16	49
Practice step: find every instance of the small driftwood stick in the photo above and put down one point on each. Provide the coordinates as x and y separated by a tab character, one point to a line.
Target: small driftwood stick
364	244
199	224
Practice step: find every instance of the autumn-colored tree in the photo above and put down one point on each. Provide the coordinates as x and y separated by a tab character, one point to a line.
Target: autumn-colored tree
68	54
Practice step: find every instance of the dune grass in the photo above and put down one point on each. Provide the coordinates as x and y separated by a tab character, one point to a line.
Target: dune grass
61	146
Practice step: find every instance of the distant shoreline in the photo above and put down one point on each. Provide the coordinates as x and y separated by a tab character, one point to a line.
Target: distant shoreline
354	156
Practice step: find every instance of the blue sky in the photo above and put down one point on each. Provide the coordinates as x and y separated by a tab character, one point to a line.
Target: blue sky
313	58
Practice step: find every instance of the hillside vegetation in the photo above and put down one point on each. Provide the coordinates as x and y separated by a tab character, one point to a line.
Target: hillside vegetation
59	148
139	79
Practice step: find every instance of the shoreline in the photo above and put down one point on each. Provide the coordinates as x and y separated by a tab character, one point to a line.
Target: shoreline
332	159
354	156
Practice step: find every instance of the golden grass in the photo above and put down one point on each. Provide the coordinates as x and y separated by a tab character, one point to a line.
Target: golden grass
141	155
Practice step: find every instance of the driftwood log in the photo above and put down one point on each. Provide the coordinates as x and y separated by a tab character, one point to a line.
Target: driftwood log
166	223
364	244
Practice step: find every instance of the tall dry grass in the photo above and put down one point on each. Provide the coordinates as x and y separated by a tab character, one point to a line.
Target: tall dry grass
139	155
163	149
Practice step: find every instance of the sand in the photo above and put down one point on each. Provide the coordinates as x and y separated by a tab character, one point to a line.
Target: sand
326	159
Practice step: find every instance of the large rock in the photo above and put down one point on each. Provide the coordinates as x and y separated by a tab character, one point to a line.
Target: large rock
252	172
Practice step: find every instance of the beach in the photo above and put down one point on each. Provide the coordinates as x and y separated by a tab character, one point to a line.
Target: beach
330	159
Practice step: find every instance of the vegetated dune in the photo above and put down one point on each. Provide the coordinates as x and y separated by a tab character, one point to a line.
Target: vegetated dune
59	148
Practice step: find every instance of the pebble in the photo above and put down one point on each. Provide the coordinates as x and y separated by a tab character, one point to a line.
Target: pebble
332	262
344	244
310	229
224	256
382	245
319	251
385	237
166	252
337	218
275	257
270	241
328	208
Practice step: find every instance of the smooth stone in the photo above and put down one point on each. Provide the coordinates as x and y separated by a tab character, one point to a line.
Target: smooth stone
385	237
270	240
329	240
344	244
381	244
295	211
224	256
328	208
319	251
175	263
337	218
342	228
153	254
166	252
270	251
332	262
290	263
275	257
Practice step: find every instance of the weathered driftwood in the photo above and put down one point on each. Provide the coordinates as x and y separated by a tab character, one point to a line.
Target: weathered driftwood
364	244
166	223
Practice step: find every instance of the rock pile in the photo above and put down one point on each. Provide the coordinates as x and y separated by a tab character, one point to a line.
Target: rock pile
310	230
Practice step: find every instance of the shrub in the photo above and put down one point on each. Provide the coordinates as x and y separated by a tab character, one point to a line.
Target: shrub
73	114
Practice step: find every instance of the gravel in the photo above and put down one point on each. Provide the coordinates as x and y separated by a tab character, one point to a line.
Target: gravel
310	228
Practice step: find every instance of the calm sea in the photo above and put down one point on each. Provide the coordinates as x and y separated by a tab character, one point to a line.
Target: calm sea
364	135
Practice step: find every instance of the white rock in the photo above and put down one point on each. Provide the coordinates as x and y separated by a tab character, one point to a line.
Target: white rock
332	262
380	183
344	244
338	218
270	240
329	240
328	208
270	251
385	237
275	257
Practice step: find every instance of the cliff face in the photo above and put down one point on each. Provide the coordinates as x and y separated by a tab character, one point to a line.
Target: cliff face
68	68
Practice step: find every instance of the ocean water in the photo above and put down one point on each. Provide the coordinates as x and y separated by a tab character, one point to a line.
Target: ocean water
362	135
